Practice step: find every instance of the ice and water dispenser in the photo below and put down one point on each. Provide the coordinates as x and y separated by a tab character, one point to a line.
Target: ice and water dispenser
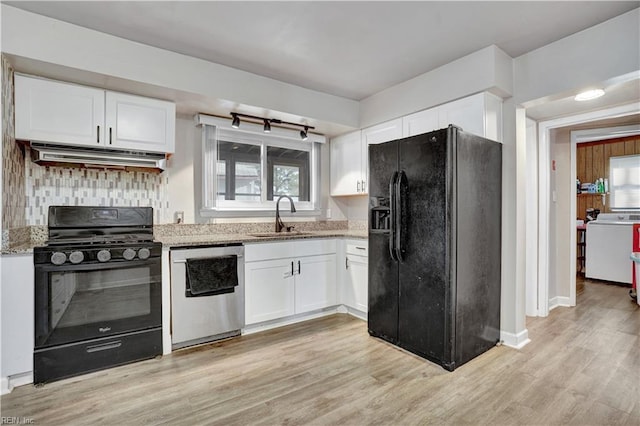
380	212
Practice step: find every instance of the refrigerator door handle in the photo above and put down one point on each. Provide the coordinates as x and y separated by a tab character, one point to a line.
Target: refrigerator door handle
399	216
392	214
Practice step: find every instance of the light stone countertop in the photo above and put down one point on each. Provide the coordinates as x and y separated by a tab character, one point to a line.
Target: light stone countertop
214	239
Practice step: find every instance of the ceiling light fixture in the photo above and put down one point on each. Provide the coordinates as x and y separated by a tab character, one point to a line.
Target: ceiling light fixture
267	123
236	121
587	95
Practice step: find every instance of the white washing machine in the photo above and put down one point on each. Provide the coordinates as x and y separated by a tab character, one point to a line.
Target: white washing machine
609	244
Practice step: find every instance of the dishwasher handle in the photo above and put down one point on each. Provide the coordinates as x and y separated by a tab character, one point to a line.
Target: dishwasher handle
239	256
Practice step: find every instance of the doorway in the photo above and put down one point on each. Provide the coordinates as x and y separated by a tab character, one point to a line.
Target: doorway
557	240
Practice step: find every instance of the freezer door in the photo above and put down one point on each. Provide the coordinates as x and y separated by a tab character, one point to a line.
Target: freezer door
383	268
424	272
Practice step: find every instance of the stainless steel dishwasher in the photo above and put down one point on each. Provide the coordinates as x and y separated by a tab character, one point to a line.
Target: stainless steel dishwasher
207	294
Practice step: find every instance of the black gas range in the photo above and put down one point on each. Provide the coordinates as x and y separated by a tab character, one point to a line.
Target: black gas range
98	291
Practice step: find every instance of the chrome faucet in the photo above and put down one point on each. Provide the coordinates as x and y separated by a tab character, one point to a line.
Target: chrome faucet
279	224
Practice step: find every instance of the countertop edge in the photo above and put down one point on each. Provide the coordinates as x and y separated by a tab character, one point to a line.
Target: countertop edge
216	239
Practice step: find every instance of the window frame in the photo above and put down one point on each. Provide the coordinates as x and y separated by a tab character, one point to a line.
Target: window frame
212	130
614	186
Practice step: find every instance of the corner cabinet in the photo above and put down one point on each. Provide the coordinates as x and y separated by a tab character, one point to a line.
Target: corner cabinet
350	157
288	278
56	112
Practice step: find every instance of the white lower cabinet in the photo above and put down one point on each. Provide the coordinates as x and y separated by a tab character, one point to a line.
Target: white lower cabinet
287	278
269	290
315	283
356	277
16	296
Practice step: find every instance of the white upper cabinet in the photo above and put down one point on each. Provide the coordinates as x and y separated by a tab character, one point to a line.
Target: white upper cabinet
348	164
420	122
350	156
49	111
479	114
384	132
140	124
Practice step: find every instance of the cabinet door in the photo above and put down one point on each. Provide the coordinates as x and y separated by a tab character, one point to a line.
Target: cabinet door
357	283
140	124
346	164
420	122
380	133
467	113
55	112
315	283
16	296
269	290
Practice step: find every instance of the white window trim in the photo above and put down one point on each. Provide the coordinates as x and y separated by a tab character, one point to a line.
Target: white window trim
284	138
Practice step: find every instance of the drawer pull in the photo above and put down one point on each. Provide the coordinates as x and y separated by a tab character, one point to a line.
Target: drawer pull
104	346
360	248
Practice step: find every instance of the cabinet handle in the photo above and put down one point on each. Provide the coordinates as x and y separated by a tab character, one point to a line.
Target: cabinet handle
346	263
360	248
292	268
98	134
363	186
110	128
358	186
298	267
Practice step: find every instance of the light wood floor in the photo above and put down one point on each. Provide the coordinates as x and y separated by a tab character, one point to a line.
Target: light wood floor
582	367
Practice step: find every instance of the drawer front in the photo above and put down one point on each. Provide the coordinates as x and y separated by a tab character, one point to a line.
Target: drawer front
78	358
357	248
314	247
268	251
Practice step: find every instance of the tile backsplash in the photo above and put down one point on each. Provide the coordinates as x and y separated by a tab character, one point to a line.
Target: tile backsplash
48	185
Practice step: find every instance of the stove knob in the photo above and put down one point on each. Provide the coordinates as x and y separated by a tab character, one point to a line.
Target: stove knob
144	253
104	255
76	257
58	258
129	254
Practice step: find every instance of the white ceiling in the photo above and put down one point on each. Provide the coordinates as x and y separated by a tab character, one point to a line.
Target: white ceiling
349	49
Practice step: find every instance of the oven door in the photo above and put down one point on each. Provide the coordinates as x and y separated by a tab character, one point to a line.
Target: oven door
86	301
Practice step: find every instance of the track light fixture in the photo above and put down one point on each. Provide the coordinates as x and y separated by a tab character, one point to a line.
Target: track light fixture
236	121
267	123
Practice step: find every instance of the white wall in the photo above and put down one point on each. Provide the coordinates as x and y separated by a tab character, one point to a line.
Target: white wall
490	67
602	53
53	42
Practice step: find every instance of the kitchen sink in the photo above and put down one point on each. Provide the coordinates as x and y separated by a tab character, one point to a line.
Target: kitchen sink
279	234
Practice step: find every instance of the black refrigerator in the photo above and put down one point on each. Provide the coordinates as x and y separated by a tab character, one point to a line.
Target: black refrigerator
434	244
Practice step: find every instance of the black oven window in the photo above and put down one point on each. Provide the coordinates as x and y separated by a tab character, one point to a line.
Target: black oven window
85	297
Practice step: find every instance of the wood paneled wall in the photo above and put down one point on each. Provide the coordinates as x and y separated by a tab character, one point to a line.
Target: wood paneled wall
592	160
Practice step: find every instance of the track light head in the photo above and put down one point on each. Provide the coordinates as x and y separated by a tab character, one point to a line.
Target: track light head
236	121
303	133
267	126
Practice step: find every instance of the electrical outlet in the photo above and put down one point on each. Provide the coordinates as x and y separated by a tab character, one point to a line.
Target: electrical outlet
178	217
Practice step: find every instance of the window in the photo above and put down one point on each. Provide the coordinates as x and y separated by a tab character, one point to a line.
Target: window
246	170
624	182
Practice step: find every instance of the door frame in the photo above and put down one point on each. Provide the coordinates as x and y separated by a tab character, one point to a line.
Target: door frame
544	192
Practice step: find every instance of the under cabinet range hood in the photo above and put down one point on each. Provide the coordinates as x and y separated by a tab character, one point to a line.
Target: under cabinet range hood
50	154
